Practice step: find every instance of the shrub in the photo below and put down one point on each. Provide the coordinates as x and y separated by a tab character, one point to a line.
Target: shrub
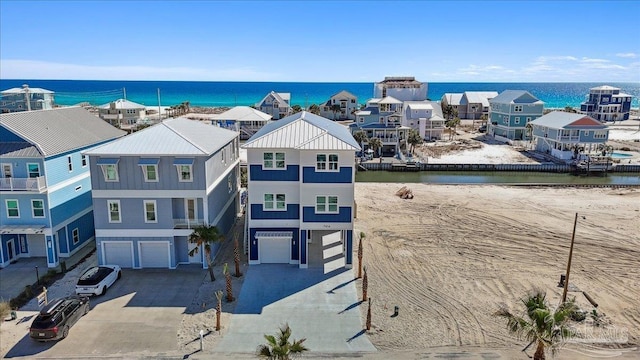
5	309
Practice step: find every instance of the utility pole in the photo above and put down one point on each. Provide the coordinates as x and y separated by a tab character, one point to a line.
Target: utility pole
566	279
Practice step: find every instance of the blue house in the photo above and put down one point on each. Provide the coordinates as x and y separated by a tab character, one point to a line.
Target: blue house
46	208
26	99
151	188
568	136
382	118
510	113
301	173
607	103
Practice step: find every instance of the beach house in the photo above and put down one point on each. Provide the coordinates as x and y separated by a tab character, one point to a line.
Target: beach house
475	104
382	119
567	136
425	117
607	103
340	106
243	119
122	113
509	114
46	209
151	188
403	88
301	175
453	99
26	99
276	104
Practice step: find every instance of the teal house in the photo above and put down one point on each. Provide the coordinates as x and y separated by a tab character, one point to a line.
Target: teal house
509	114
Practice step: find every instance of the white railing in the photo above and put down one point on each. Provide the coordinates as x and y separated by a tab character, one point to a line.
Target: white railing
23	184
187	223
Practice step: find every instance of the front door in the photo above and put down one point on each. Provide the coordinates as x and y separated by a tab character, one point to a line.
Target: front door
10	249
191	211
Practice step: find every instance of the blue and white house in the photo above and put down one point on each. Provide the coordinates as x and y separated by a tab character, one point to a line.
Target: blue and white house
26	99
46	208
243	119
301	173
340	106
382	118
567	136
607	103
276	104
151	188
510	113
425	117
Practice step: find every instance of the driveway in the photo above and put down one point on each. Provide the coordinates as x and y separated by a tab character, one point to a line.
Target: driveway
138	315
323	308
15	277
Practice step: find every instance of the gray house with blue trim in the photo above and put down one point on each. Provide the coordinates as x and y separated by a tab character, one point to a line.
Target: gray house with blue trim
567	136
301	176
46	208
151	188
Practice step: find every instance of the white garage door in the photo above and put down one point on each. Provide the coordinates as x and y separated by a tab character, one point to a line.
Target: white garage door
118	253
37	246
275	250
154	255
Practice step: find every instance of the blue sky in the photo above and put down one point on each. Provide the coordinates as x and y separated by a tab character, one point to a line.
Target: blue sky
332	41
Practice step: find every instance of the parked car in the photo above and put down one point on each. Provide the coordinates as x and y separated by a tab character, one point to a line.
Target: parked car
96	280
482	128
56	318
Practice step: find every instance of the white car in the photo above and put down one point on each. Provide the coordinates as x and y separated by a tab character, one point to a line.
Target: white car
96	280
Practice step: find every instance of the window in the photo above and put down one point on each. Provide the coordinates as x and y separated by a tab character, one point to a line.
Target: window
150	173
75	234
184	173
84	160
69	163
528	120
79	187
34	170
150	211
516	120
326	204
333	162
361	120
274	202
517	108
599	135
114	211
37	208
273	160
586	133
222	153
505	118
110	172
230	183
12	209
322	163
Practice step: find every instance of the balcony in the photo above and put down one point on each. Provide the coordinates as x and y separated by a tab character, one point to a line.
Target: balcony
187	223
37	184
569	138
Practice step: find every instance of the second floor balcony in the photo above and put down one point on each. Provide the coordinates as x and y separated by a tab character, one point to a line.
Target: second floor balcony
37	184
187	223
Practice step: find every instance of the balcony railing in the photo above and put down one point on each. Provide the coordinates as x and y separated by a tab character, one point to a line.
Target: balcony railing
569	138
23	184
187	223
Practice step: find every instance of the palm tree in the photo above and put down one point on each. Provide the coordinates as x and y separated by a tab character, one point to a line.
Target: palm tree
296	109
336	109
453	124
205	235
279	347
375	144
543	325
314	109
361	137
414	139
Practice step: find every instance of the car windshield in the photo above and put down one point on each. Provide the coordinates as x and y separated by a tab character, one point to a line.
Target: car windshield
94	275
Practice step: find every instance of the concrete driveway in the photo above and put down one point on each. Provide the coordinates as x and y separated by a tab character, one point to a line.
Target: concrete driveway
323	308
15	277
138	315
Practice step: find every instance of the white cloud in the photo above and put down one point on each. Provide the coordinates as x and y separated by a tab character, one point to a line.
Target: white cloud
588	60
30	69
627	55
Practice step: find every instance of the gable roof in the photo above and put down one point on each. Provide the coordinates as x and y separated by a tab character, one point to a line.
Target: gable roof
242	113
478	97
452	99
22	90
281	98
344	93
515	97
59	130
434	106
179	136
564	120
304	131
389	100
604	87
122	104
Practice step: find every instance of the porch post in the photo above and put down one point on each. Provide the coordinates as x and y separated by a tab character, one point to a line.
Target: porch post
303	249
349	249
52	251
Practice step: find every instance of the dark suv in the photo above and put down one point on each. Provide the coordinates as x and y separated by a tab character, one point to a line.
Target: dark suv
55	319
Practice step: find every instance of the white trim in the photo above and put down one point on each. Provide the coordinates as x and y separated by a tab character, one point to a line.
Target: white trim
155	211
140	243
32	163
195	208
44	213
140	194
109	212
2	165
68	182
6	204
141	233
180	179
222	177
145	173
73	242
14	249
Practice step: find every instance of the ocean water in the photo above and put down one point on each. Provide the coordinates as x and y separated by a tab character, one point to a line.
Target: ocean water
209	93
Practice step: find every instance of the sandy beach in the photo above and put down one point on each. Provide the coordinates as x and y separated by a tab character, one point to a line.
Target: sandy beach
449	258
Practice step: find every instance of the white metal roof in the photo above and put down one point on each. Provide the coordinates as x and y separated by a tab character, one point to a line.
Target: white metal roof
515	97
303	130
561	119
604	87
177	136
452	99
242	113
59	130
122	104
390	100
420	106
23	90
479	97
